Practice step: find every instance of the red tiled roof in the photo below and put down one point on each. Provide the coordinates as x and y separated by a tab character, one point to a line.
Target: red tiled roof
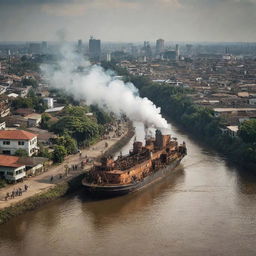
16	135
9	161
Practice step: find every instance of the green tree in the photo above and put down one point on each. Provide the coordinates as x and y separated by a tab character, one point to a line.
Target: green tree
75	110
80	128
20	102
29	82
68	142
247	131
45	118
44	152
102	116
59	154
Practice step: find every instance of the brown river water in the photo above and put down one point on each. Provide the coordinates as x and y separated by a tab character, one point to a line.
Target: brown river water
205	207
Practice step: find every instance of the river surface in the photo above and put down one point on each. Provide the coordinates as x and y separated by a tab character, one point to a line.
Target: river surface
205	207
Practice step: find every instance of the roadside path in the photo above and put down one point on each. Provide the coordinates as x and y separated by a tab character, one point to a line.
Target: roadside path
43	182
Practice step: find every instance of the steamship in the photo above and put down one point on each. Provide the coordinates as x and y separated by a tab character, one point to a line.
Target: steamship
142	166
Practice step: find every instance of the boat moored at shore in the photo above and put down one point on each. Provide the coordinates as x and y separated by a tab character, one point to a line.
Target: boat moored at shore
142	166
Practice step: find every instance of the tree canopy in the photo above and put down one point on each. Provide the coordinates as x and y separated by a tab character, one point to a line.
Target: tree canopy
59	154
247	131
79	127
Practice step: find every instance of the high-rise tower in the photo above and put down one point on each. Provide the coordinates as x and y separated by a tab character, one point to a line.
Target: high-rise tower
94	49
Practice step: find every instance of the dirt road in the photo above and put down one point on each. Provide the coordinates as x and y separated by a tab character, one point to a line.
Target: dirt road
43	181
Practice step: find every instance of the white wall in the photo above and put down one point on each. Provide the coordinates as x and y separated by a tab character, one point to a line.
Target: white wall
29	145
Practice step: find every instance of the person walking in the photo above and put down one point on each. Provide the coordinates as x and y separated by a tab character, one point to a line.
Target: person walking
20	191
7	196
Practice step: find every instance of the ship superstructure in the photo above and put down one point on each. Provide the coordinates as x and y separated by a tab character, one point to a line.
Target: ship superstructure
142	164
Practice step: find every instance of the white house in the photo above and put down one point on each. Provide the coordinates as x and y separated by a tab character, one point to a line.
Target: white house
12	140
11	169
49	102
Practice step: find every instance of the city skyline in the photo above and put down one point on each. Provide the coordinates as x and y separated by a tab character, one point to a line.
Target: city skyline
128	21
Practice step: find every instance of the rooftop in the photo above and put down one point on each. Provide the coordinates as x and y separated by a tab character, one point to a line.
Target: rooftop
16	135
10	161
233	109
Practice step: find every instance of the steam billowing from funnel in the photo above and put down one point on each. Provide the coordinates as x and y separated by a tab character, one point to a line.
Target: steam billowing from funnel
98	87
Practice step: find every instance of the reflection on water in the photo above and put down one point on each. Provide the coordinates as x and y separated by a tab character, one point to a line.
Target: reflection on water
128	204
206	207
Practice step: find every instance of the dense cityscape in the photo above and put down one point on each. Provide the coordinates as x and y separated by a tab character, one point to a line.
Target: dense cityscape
221	77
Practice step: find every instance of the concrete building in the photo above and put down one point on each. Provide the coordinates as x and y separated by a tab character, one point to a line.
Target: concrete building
49	102
33	119
177	50
12	140
108	57
80	46
170	55
159	46
34	48
94	49
11	169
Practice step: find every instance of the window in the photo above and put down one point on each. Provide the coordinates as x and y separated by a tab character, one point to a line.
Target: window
10	173
21	143
18	172
6	142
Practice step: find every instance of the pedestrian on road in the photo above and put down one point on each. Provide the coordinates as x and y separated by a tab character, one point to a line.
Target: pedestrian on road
51	179
60	176
7	196
13	194
26	187
20	191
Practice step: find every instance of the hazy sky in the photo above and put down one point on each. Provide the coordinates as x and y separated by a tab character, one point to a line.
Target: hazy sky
129	20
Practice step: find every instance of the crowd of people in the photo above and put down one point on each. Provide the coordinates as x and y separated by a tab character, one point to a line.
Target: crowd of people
16	192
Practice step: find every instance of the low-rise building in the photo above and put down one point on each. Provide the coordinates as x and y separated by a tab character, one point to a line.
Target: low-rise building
12	140
11	169
33	119
34	165
48	102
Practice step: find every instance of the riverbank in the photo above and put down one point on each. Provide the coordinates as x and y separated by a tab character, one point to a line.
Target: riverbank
200	122
41	190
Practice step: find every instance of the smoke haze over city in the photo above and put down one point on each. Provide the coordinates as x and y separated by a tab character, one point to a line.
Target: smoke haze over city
96	86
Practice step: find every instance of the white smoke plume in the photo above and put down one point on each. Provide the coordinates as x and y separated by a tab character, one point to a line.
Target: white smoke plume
101	88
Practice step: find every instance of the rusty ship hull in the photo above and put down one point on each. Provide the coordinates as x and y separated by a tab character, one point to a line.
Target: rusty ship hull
142	166
119	190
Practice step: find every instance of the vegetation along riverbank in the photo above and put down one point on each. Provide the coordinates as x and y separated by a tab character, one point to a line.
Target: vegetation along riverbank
198	120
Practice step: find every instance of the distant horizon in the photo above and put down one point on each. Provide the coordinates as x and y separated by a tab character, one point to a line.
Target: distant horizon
129	20
127	42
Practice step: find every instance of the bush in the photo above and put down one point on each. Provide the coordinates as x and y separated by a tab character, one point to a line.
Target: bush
21	152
